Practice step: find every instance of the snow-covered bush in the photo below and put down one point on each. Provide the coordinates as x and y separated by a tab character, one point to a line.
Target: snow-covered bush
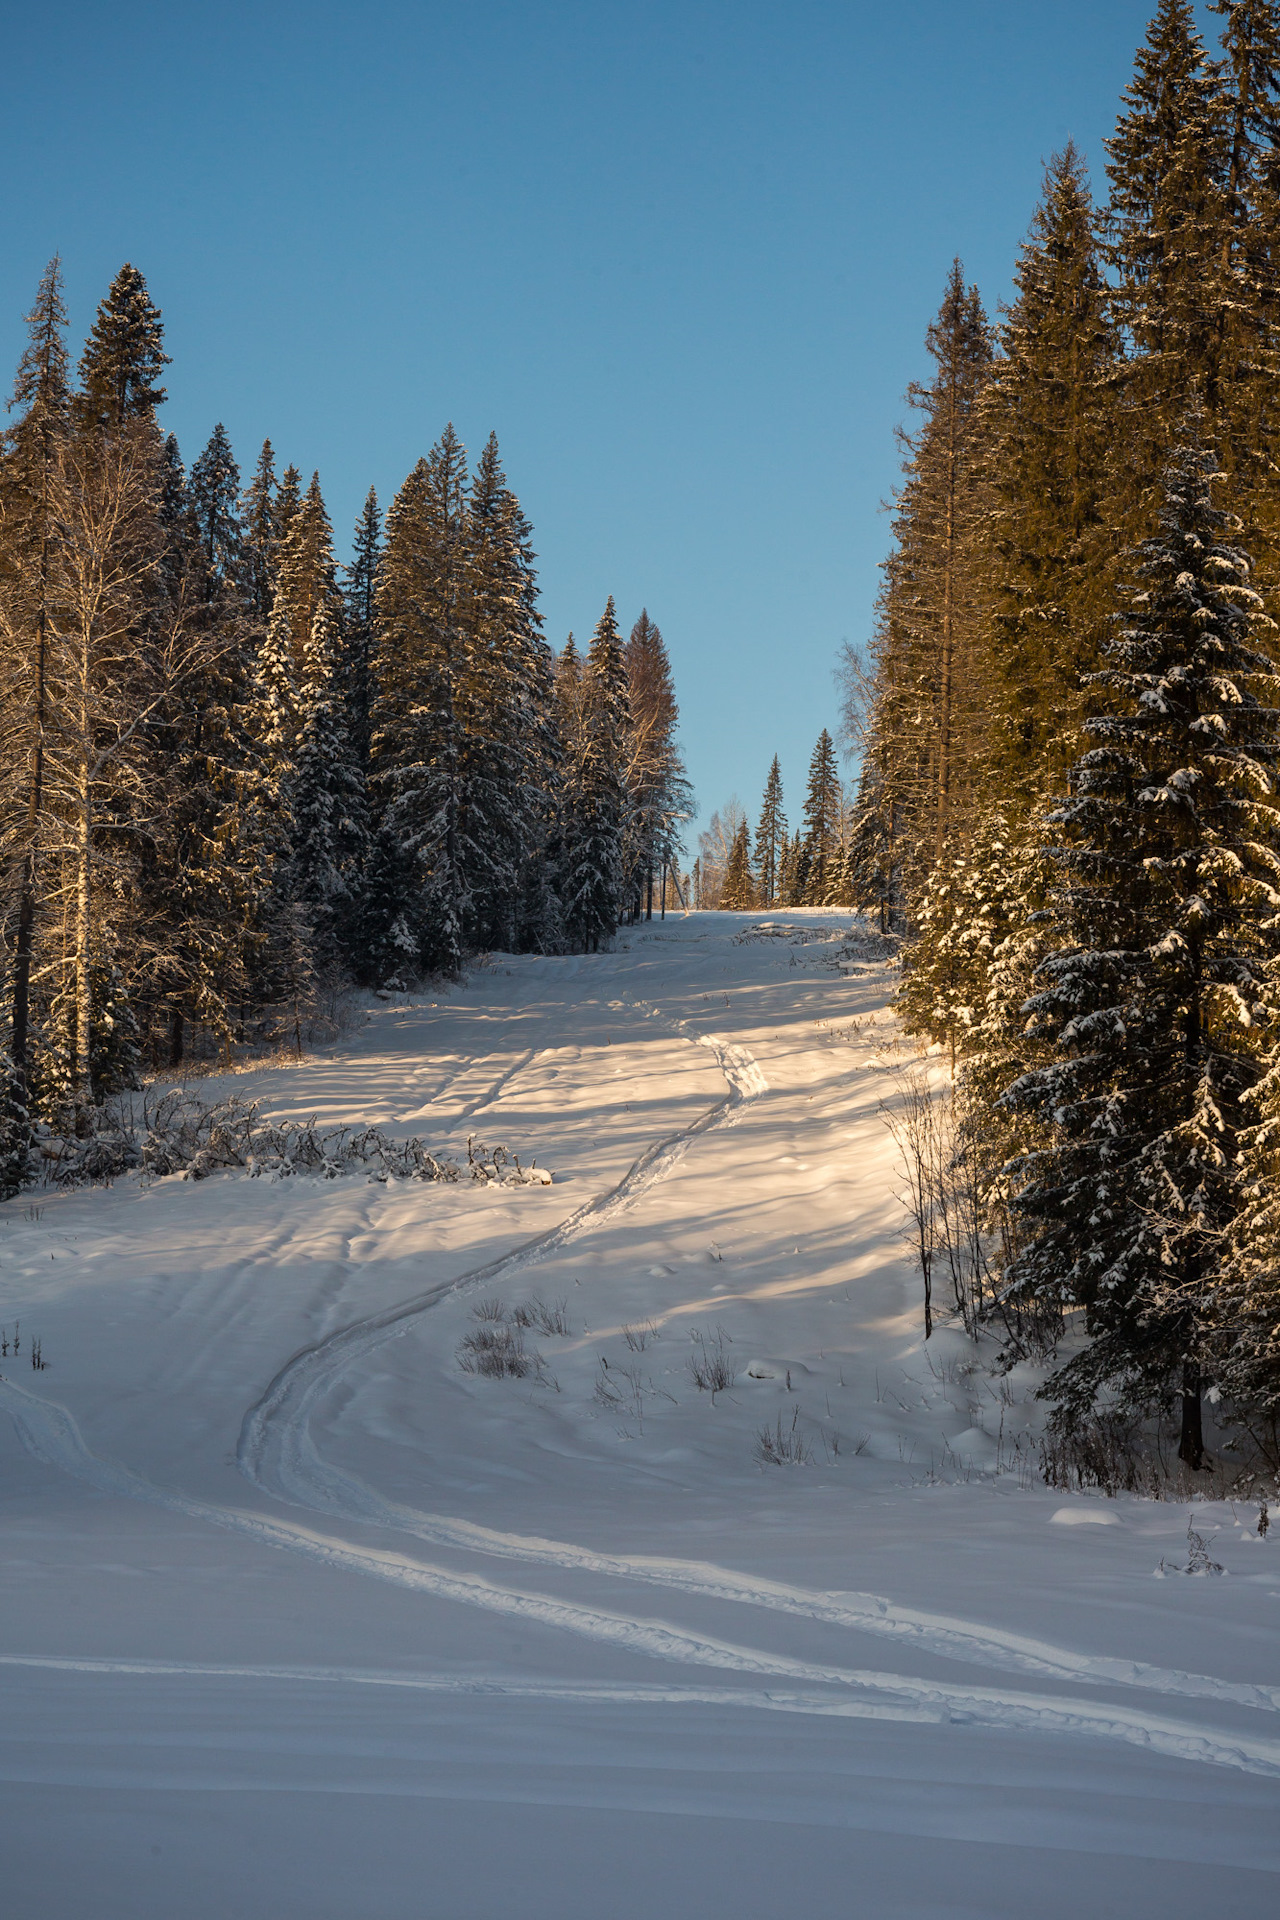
183	1135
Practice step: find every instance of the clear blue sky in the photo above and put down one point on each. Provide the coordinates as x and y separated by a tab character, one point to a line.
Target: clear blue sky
679	256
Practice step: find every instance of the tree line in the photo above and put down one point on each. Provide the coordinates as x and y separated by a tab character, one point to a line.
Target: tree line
237	775
810	866
1068	734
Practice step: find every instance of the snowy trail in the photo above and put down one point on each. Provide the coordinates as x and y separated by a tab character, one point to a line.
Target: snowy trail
916	1703
277	1451
50	1433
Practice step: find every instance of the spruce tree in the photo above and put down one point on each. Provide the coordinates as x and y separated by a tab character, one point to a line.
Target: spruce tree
926	732
497	711
595	807
738	893
215	501
822	823
659	796
124	356
417	742
1049	419
771	839
258	518
1169	871
360	624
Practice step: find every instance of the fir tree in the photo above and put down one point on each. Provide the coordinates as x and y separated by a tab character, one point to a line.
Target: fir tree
215	501
124	355
822	822
595	793
659	796
926	731
771	839
498	720
258	517
1050	420
1169	874
416	733
361	593
738	894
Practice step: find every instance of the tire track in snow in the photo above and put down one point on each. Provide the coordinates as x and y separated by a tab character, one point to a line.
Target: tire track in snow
51	1434
274	1450
278	1454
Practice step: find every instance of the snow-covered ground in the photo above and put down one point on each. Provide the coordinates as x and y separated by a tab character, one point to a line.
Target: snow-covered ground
299	1618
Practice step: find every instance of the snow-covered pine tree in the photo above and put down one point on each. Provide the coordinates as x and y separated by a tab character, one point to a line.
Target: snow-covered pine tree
771	839
124	356
322	790
416	748
595	803
1168	880
960	922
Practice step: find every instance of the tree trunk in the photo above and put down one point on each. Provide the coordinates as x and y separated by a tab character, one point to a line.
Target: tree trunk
176	1036
81	1074
1191	1439
35	802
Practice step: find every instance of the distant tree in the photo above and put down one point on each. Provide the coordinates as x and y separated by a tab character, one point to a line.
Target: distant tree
822	818
738	892
771	838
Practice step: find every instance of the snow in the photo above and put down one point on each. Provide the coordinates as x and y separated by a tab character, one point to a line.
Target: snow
299	1618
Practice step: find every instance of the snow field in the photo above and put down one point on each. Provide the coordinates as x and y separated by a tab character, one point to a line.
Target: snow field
387	1564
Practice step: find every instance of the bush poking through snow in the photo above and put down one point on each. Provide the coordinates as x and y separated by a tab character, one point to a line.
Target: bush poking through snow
494	1347
780	1446
182	1135
1199	1560
710	1367
542	1316
638	1338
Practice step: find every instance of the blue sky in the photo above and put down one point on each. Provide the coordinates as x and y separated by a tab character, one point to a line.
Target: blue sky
680	257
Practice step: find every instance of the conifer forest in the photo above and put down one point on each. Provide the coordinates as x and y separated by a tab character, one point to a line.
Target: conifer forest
238	776
1065	734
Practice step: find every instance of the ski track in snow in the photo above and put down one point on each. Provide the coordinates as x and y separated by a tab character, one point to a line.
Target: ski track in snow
276	1453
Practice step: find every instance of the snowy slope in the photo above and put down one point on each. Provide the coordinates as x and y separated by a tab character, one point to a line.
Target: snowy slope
299	1618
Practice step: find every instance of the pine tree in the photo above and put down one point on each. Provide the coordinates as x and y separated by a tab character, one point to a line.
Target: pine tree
738	894
416	733
215	502
496	707
659	795
360	627
258	518
822	823
928	721
771	839
595	808
1049	419
1168	878
124	356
